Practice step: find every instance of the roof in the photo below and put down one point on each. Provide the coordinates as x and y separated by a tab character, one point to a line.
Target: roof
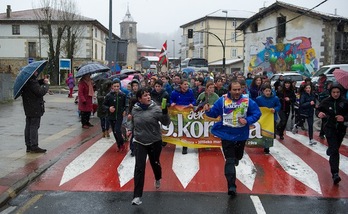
30	16
219	14
227	62
296	9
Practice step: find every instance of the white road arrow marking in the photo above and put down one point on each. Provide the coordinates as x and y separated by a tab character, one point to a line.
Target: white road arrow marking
320	149
86	160
295	166
185	166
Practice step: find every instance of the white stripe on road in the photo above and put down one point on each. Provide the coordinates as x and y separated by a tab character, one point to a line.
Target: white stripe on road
320	149
345	141
126	168
86	160
257	204
246	172
186	166
295	166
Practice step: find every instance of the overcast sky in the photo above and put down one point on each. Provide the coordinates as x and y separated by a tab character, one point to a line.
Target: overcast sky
166	16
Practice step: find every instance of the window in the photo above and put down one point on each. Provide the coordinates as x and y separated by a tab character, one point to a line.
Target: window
96	51
130	30
281	27
16	30
233	37
32	49
44	30
233	52
95	32
254	27
102	53
234	23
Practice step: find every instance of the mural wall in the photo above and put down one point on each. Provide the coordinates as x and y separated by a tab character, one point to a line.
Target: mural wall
296	54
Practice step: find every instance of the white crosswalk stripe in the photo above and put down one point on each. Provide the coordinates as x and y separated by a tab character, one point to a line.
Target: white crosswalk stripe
246	171
125	170
295	166
86	160
320	149
186	166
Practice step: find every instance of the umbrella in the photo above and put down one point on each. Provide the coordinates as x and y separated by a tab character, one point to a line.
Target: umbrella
91	68
128	71
341	77
188	70
24	75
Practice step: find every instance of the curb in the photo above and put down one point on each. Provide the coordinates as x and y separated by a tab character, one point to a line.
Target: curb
23	182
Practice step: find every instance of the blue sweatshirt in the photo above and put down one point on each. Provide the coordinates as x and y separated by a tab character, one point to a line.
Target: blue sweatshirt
269	102
229	133
183	99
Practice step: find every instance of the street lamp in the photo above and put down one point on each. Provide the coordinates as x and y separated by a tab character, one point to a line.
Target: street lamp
173	53
223	58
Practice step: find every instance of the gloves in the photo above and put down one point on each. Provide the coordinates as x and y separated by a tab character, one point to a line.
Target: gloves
165	111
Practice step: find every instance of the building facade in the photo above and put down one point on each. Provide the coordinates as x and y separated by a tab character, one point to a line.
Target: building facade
210	33
285	37
23	40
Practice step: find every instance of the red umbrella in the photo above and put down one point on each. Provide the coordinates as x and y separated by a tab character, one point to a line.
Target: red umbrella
341	77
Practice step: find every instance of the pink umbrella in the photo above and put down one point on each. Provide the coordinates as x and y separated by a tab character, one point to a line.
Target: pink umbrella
127	80
341	77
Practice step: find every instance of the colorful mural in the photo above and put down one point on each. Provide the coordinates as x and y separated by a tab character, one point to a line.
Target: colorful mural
296	55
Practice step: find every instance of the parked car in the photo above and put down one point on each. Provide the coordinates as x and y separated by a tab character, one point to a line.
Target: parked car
294	76
328	71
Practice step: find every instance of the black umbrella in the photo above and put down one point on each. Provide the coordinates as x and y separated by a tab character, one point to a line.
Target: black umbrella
91	68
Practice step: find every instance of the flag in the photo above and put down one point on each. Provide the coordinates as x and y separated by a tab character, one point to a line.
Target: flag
163	55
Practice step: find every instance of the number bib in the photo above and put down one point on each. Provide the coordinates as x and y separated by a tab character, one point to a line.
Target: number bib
234	109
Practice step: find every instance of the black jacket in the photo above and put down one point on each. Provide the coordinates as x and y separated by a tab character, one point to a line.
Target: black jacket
306	109
333	107
32	95
157	97
285	105
118	101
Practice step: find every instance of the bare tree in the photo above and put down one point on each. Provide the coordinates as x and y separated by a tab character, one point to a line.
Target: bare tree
60	21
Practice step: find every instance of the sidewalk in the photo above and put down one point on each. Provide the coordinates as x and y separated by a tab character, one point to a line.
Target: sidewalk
60	132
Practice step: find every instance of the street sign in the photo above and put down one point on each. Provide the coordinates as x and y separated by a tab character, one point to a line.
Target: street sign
64	64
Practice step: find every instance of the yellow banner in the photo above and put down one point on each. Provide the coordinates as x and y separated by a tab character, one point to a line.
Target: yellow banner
192	129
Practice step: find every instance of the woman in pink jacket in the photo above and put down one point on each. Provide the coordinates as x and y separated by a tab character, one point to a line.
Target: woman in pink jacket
85	95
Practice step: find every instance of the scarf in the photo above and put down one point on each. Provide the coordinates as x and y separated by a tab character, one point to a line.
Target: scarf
90	88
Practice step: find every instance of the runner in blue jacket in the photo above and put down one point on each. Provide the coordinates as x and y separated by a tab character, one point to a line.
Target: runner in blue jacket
237	112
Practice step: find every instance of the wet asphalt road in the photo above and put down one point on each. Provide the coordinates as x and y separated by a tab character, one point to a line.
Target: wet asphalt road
40	202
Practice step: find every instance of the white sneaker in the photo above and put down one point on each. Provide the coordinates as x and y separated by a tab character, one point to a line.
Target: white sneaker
294	130
312	142
157	184
136	201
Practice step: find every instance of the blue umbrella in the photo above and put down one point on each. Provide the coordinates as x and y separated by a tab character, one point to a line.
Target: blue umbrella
188	70
24	75
91	68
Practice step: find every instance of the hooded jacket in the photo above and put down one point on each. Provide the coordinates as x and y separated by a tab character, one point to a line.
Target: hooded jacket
147	129
118	100
333	107
229	133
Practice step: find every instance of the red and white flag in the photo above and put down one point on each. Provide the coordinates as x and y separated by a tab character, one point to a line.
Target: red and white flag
163	55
